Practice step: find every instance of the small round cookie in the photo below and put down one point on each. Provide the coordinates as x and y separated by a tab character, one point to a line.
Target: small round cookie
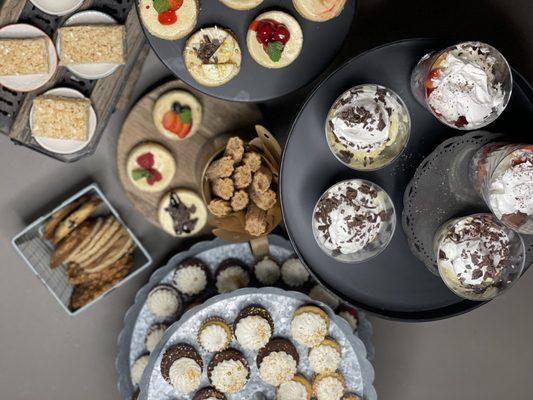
318	293
212	56
214	334
299	388
326	357
253	327
275	39
267	271
309	325
154	335
329	386
241	4
164	301
319	10
177	115
231	274
169	20
208	393
181	366
182	213
191	277
278	361
228	371
150	167
138	368
294	274
350	315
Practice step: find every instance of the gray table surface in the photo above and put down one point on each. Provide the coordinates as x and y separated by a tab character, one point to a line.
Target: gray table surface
46	355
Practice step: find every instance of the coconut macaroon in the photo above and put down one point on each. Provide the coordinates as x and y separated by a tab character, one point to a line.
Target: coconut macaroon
309	325
320	294
138	367
293	273
241	4
191	277
181	366
231	274
326	357
350	315
166	21
164	301
228	371
253	327
329	386
298	388
278	361
214	334
154	335
208	393
267	271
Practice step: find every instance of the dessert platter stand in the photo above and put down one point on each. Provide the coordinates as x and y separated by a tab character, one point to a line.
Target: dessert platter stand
394	284
255	83
139	319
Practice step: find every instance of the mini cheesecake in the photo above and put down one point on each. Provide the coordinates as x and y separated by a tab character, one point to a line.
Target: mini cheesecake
267	271
170	20
350	315
319	10
318	293
181	366
191	277
182	213
177	115
208	393
298	388
275	39
228	371
241	4
309	325
214	334
231	274
150	167
326	357
253	327
277	362
138	367
154	335
294	274
164	301
329	386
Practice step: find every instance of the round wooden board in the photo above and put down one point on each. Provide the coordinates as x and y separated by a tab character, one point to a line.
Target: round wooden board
220	119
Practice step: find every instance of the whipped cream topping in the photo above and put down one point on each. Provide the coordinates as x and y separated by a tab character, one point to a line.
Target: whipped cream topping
154	336
267	271
232	278
185	375
190	280
348	217
475	250
324	358
293	273
253	332
137	369
292	390
512	191
164	302
466	86
229	376
213	337
321	294
329	388
309	329
277	367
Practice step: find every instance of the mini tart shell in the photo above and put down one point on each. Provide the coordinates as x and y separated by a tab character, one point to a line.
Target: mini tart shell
218	321
232	262
254	311
278	345
308	387
174	353
259	260
309	308
319	377
330	342
171	289
164	163
153	328
304	285
194	262
208	392
149	18
164	104
229	354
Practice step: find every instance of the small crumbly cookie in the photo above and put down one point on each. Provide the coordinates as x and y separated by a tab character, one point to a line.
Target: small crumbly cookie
214	334
177	115
60	215
277	362
75	218
241	4
228	371
319	10
253	327
299	388
154	335
267	271
231	274
150	167
168	22
164	301
328	386
326	357
191	277
182	213
138	368
309	325
293	273
181	366
318	293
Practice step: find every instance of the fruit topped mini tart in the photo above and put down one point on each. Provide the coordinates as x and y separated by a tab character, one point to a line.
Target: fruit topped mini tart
169	19
319	10
150	167
177	115
274	39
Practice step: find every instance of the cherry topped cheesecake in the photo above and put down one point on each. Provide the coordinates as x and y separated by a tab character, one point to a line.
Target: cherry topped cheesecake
169	19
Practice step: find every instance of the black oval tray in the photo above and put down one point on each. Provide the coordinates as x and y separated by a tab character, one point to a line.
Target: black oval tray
254	83
394	284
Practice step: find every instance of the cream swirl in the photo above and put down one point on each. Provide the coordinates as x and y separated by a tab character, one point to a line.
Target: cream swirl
512	191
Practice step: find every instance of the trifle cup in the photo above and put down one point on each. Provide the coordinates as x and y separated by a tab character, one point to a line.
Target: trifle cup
354	220
465	86
367	127
478	257
502	173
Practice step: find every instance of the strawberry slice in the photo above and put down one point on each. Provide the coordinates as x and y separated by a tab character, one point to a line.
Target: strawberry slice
175	4
185	129
155	176
167	17
430	84
146	160
169	120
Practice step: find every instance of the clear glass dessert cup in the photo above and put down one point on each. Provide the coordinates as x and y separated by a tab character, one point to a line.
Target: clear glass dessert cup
358	142
427	74
502	174
486	290
357	228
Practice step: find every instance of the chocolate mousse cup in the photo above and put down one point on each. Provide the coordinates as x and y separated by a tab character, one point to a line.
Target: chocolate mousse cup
502	174
353	221
368	127
466	86
478	257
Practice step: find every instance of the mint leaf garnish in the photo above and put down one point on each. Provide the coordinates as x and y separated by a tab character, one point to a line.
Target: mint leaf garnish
185	115
274	50
138	174
161	5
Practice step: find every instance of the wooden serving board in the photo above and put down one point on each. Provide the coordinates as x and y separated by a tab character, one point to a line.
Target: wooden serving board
105	94
220	120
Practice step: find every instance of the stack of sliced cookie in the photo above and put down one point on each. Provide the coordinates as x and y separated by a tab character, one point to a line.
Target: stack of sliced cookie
97	251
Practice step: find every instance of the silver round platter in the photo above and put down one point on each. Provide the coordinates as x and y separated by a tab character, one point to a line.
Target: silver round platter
139	319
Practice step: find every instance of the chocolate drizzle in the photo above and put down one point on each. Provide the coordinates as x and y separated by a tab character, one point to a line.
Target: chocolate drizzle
181	215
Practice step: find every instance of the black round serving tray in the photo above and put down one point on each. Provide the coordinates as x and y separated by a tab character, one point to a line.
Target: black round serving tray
394	284
254	83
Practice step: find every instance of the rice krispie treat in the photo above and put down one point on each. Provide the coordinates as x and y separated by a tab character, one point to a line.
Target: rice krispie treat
253	160
240	200
220	208
223	188
262	180
235	149
221	168
242	177
265	201
255	221
23	56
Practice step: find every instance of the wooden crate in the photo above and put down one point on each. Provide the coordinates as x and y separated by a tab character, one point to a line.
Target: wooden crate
105	94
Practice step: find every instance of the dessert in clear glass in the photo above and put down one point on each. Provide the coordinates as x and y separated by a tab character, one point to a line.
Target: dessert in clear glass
465	86
367	127
478	257
354	220
502	173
